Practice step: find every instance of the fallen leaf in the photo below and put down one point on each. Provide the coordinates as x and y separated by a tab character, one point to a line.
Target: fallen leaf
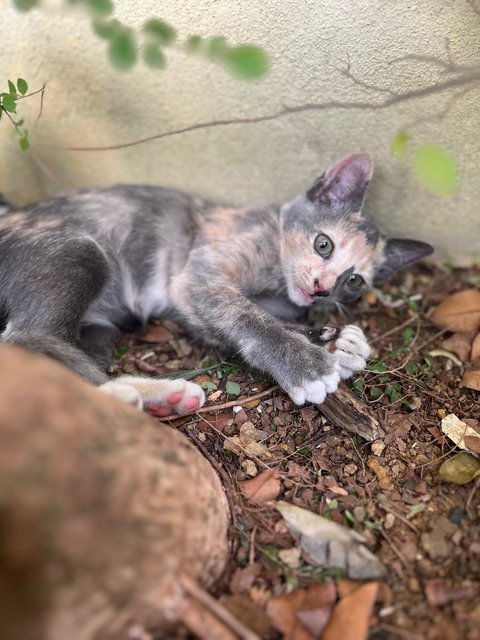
248	433
243	578
460	343
291	557
473	443
471	380
350	618
440	592
247	612
327	544
459	311
284	611
155	333
262	488
250	468
457	429
475	353
461	469
435	353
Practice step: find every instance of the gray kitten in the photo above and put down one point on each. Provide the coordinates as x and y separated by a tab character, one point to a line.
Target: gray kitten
78	269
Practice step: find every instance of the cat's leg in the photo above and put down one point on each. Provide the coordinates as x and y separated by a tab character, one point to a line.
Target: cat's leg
48	293
97	341
160	397
306	371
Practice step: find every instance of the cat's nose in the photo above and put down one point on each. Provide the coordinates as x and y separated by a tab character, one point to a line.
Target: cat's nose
319	289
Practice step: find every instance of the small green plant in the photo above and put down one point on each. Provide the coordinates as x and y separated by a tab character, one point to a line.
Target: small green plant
8	108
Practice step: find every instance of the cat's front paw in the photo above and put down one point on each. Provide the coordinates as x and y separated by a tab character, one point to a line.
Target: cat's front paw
314	390
352	351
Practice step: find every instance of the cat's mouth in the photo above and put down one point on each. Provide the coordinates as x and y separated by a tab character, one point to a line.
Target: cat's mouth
307	297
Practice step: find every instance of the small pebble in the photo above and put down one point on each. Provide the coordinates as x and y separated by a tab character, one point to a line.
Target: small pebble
378	448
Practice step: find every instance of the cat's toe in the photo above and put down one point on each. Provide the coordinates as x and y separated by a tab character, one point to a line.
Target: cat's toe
352	351
174	397
315	391
124	392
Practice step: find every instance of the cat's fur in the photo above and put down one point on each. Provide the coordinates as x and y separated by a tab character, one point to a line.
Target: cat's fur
77	269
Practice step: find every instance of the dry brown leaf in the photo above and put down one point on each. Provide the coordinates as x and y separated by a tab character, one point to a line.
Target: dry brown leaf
350	618
284	611
460	343
262	488
473	443
243	578
247	612
459	311
457	429
155	333
475	353
471	380
440	592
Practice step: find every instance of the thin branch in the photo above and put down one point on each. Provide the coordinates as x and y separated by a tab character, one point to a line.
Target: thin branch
473	4
347	72
450	67
238	401
470	78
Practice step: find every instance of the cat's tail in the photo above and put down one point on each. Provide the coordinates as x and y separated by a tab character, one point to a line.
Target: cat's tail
59	350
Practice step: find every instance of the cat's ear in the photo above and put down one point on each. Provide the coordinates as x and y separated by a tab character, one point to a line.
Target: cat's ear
399	253
343	185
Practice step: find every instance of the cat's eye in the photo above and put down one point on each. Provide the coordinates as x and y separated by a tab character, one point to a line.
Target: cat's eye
323	245
355	281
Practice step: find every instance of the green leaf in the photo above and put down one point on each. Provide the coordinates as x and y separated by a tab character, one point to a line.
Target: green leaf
399	143
408	334
123	51
232	388
359	384
24	144
193	43
217	47
161	30
375	393
436	169
9	104
101	7
247	61
208	385
25	5
154	56
12	89
22	86
107	30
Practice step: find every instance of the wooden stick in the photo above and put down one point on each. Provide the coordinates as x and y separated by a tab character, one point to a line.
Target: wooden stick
346	411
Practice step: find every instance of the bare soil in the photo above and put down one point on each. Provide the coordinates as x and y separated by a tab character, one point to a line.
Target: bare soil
425	531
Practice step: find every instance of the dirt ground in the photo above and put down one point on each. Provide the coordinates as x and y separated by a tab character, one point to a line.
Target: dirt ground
424	530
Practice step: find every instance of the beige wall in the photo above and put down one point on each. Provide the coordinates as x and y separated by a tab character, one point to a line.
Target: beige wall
88	103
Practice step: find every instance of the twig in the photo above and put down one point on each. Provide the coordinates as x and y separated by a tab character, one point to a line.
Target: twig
469	77
395	329
398	631
397	552
217	609
239	401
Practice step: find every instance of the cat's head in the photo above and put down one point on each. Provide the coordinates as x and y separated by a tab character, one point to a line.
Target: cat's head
331	251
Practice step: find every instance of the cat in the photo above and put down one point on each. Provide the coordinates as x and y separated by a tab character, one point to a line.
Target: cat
78	269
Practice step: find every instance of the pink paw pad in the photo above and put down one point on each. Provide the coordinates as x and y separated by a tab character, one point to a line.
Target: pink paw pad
157	410
192	403
174	398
